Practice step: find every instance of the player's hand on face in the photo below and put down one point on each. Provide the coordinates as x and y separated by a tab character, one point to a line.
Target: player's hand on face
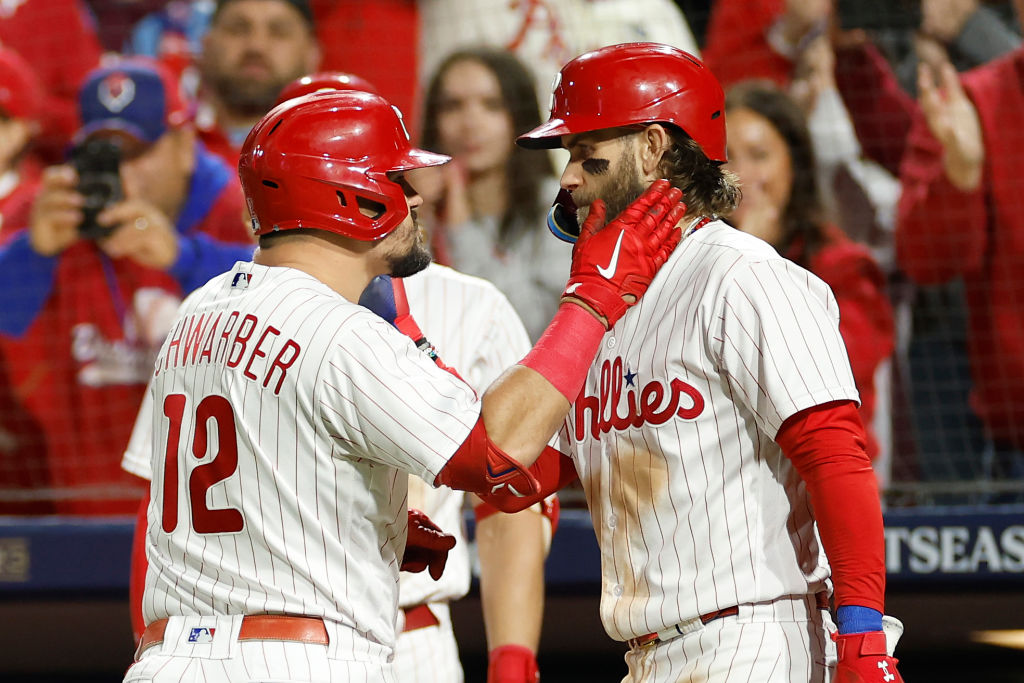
426	547
141	232
612	265
953	120
56	212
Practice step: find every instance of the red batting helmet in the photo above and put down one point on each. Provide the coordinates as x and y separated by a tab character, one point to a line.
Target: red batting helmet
315	161
325	80
633	83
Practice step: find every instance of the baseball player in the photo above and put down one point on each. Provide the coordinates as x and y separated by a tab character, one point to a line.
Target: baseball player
481	334
717	435
478	331
288	416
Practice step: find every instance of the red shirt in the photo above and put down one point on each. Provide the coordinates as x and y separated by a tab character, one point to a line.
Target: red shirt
58	38
944	233
865	313
76	376
736	46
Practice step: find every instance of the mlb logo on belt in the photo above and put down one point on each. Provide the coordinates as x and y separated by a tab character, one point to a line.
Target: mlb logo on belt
201	635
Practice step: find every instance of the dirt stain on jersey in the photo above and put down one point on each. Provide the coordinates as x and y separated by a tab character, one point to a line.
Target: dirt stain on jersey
638	483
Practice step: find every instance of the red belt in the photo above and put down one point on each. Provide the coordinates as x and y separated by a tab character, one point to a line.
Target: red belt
419	617
254	627
704	619
820	600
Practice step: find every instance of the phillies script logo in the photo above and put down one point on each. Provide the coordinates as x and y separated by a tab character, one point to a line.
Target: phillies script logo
654	403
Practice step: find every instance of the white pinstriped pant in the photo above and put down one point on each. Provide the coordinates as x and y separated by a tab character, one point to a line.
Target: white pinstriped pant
347	659
783	641
429	655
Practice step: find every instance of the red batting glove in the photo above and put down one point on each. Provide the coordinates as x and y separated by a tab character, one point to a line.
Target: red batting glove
620	259
512	664
426	546
863	658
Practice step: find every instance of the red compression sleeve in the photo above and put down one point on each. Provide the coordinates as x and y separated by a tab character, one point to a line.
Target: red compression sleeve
565	351
139	565
826	445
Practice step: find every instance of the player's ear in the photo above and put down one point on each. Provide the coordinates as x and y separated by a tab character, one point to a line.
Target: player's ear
652	143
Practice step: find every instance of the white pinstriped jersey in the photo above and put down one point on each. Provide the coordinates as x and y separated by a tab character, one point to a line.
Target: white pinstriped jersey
291	416
696	508
476	331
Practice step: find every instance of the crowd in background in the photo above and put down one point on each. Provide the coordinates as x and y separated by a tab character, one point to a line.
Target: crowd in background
876	144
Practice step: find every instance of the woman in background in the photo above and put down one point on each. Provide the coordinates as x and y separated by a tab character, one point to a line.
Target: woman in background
770	149
489	204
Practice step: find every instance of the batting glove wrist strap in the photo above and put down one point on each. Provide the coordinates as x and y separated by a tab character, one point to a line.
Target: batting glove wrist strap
867	657
512	664
610	262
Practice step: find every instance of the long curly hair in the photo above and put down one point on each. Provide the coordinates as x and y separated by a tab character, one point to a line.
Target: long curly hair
803	223
526	170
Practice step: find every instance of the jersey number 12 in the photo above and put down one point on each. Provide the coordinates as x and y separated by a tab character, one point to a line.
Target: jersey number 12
202	477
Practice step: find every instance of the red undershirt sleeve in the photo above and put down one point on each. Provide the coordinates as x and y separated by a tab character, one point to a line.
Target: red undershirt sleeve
826	445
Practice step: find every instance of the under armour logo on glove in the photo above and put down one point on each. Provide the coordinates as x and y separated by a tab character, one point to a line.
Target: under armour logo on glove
867	657
618	260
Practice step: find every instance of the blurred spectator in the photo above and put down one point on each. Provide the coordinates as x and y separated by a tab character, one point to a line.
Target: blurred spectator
252	50
58	38
545	34
115	19
377	40
769	148
174	35
490	202
960	217
22	468
90	302
21	107
766	39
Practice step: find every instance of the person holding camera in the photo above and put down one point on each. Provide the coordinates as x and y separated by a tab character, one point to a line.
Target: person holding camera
142	216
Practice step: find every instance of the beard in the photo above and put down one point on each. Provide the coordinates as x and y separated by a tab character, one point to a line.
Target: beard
414	259
623	187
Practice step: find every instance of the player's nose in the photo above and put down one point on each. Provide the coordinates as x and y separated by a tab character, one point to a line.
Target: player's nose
571	177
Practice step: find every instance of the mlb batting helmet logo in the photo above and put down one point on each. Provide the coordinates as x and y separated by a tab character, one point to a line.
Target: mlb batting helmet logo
116	92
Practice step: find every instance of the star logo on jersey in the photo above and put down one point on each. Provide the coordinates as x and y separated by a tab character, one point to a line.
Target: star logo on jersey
630	377
116	92
201	635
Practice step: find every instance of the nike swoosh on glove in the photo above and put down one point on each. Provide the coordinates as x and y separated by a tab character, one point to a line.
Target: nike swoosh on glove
618	260
426	546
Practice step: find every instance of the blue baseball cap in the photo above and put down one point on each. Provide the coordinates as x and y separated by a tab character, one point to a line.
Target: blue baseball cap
134	97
